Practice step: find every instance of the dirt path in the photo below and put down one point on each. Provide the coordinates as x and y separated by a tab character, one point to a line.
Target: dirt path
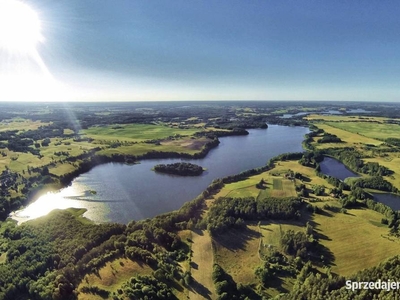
202	266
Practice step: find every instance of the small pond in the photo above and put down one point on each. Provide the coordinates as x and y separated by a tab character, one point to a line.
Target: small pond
334	168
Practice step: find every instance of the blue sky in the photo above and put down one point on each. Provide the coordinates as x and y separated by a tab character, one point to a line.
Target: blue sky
222	50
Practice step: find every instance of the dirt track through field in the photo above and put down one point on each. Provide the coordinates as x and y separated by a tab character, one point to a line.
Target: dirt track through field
202	266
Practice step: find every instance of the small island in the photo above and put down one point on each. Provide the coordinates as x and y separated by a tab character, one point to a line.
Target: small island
180	168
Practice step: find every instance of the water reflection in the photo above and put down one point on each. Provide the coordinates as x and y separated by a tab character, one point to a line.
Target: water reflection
72	196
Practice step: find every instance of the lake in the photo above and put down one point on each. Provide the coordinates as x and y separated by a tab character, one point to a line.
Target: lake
332	167
391	200
288	116
134	192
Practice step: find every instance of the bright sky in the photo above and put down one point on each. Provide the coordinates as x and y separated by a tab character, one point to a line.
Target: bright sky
205	50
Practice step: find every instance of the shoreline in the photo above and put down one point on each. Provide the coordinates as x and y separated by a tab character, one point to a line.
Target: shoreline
91	160
95	160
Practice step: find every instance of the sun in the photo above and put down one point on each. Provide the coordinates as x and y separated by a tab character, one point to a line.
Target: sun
24	76
20	28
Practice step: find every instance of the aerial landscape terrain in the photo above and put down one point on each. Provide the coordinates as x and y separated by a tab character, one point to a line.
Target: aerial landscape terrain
290	228
199	150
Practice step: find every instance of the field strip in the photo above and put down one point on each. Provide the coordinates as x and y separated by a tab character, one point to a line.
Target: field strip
241	188
202	266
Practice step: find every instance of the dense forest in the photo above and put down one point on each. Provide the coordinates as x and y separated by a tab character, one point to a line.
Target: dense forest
232	212
180	168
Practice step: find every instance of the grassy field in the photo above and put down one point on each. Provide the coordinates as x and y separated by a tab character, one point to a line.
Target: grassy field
271	233
74	148
369	129
184	145
270	239
276	185
369	244
355	130
18	161
135	132
360	134
356	239
349	138
3	257
62	169
393	163
112	276
23	160
244	188
21	124
338	118
236	251
202	266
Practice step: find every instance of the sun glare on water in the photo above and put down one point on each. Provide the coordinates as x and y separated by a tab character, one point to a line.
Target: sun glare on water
24	75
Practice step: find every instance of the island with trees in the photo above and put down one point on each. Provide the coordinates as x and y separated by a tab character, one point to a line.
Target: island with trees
180	168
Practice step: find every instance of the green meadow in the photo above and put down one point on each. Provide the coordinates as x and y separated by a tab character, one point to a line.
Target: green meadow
369	129
135	132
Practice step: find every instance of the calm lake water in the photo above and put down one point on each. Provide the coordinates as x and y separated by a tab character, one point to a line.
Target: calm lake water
334	168
134	192
391	200
288	116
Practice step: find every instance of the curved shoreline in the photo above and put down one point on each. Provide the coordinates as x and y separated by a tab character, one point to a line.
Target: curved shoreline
96	160
92	159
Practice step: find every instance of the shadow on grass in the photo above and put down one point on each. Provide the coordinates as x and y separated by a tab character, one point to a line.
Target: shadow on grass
277	283
317	232
173	284
323	257
198	232
324	213
197	288
236	239
305	179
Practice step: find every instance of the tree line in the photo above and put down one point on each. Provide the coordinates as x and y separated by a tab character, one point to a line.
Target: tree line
226	213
